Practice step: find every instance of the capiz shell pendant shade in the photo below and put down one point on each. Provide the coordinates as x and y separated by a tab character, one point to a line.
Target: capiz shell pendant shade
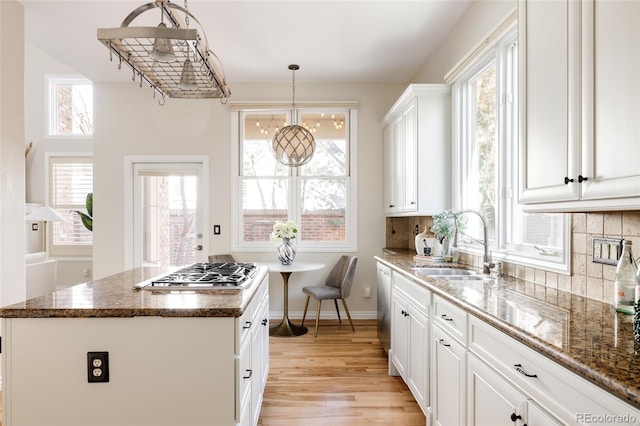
293	145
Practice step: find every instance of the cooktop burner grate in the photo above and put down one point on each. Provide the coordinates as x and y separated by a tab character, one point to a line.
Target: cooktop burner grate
207	275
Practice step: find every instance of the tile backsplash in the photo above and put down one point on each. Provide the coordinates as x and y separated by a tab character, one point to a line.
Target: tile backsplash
593	280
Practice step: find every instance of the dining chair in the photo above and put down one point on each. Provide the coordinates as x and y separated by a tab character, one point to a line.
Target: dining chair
336	286
221	258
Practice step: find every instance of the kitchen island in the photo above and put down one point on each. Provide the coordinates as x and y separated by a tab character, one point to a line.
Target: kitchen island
173	357
515	342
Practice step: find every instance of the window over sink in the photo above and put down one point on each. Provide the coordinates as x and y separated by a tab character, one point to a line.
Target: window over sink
485	109
318	196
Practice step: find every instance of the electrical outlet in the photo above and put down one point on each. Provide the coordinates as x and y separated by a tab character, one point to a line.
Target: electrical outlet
606	250
216	229
97	367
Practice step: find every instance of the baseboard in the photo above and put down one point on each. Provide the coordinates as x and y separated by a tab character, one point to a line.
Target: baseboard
358	315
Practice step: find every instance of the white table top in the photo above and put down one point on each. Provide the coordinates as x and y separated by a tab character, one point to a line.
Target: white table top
294	267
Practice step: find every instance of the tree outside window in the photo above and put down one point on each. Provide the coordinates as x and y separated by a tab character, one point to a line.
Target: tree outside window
70	107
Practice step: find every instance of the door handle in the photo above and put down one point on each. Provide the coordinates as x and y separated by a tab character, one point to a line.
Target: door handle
199	247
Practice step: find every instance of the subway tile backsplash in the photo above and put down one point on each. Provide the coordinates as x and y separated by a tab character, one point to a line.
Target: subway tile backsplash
593	280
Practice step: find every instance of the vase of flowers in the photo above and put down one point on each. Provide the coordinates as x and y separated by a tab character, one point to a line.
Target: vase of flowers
283	234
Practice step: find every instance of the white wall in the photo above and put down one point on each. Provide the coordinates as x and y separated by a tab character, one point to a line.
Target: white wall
39	64
12	144
480	19
128	121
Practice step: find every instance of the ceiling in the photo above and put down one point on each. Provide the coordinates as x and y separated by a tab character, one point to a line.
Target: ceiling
338	41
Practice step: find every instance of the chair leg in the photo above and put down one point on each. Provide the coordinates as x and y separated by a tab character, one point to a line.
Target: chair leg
344	303
337	310
306	305
318	316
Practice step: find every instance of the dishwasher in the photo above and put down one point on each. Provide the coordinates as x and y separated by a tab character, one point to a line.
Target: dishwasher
384	305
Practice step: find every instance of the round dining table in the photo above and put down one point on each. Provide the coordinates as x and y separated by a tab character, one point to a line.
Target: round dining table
286	328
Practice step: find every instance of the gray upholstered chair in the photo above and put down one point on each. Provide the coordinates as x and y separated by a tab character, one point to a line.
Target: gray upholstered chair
221	258
337	286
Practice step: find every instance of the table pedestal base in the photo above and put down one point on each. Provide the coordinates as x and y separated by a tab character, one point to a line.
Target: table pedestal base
287	329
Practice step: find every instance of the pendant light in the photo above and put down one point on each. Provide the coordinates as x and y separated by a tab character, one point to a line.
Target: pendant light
162	47
293	145
188	76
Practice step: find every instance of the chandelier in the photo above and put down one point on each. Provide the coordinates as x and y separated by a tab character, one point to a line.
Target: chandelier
175	60
293	145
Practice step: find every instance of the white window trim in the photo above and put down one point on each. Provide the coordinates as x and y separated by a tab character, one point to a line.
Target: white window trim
47	200
351	243
130	161
530	258
49	109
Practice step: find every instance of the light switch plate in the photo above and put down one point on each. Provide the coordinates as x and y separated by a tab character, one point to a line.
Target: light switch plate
606	250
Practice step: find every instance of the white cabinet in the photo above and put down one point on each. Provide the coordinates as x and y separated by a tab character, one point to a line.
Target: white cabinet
383	274
492	400
252	356
409	352
448	363
416	141
579	105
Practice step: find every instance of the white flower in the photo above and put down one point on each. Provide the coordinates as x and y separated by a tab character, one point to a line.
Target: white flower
281	230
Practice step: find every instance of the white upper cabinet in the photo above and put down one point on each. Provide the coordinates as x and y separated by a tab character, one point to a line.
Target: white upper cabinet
417	151
579	105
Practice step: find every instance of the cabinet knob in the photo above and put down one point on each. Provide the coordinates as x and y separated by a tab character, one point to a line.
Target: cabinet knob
567	180
265	322
391	205
441	341
520	370
515	417
582	178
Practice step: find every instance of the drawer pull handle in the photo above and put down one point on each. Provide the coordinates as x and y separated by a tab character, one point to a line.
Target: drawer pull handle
567	180
582	178
441	341
247	324
515	417
249	376
405	313
520	370
265	322
446	318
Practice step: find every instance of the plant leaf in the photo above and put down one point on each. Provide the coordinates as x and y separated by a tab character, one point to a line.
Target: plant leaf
87	221
89	204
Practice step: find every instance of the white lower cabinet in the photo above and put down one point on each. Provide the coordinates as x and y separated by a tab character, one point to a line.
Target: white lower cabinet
494	401
409	353
448	363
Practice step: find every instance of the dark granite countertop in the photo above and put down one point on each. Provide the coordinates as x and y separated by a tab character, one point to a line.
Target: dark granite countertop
586	336
114	296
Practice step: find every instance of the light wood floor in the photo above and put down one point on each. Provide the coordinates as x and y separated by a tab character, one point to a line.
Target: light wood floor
337	378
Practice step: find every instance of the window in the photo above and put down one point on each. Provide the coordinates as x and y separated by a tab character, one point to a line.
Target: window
71	179
486	165
317	195
70	107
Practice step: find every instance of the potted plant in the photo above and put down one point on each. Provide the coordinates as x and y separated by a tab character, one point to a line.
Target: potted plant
444	228
87	218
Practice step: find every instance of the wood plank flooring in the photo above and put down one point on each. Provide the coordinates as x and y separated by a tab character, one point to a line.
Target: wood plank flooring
337	378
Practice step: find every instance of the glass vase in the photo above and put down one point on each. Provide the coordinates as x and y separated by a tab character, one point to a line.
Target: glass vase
286	251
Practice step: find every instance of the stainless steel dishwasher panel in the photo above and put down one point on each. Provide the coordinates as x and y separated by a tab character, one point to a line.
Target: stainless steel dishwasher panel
384	305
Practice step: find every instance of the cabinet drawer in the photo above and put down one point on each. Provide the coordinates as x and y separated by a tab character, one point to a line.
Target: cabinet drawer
451	318
415	293
557	389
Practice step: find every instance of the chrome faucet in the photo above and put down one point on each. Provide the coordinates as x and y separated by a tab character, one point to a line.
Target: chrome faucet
487	263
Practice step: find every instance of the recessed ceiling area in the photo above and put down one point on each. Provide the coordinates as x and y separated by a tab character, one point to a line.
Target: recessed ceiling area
333	41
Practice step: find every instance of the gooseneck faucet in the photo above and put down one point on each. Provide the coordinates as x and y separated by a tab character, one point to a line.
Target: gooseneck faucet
487	263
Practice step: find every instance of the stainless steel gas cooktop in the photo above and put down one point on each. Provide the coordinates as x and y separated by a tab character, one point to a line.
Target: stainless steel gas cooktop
205	276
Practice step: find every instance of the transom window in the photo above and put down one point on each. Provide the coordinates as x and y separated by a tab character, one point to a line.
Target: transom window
70	107
317	195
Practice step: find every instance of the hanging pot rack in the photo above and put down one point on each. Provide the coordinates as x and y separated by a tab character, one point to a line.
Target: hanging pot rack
133	45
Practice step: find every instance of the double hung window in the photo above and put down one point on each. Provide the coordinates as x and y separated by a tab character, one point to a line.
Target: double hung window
485	100
70	180
317	196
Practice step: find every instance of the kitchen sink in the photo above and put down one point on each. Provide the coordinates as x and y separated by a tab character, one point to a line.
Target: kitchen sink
441	271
